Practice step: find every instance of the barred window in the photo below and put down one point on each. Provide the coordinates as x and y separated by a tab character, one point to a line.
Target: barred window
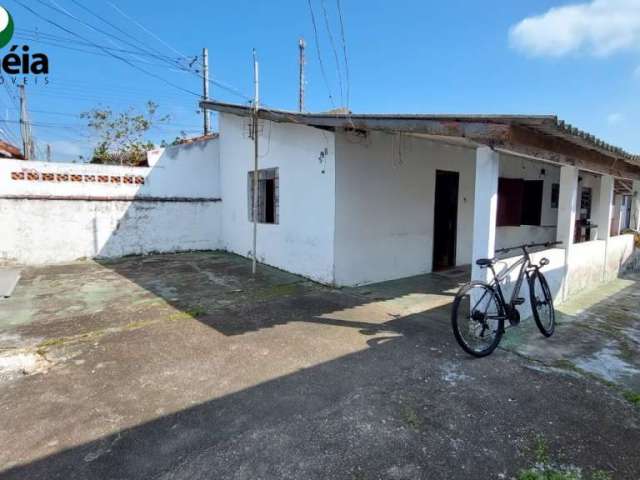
268	196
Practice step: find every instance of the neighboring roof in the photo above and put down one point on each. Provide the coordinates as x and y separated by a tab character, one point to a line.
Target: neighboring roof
486	129
201	138
10	151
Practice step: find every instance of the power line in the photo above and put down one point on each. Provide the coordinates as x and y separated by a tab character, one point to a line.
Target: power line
333	47
62	42
59	9
344	51
21	3
218	83
143	28
112	25
317	42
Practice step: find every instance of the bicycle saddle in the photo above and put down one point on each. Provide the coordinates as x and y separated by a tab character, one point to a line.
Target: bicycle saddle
485	262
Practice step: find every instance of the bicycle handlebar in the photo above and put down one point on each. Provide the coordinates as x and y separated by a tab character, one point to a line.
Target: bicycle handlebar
528	245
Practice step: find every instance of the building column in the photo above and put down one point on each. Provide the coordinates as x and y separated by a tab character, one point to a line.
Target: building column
605	214
635	206
485	209
567	200
618	213
603	220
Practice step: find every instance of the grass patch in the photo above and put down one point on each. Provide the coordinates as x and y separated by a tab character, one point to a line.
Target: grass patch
195	312
561	473
52	342
545	470
138	324
632	397
410	417
276	291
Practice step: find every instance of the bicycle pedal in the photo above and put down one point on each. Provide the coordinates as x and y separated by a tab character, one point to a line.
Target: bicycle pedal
518	301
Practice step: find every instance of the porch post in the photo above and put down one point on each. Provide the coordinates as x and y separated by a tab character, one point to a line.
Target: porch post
567	200
618	213
485	208
605	215
635	206
603	220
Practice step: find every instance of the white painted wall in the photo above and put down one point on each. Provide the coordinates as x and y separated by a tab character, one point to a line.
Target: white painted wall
60	221
586	265
553	273
517	167
385	190
303	240
619	252
57	231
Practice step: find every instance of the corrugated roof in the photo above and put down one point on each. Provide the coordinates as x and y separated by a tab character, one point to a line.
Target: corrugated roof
441	124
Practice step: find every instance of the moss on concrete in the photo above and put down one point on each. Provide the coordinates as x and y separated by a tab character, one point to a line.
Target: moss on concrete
632	397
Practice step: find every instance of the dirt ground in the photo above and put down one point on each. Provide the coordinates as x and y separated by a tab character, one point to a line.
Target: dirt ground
185	367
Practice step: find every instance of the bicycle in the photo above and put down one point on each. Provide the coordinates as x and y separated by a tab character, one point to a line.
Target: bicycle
480	310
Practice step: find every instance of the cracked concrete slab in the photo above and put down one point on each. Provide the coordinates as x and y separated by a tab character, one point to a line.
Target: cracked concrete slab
186	367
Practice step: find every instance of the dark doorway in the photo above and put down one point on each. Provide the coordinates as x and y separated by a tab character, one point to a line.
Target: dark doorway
269	199
445	220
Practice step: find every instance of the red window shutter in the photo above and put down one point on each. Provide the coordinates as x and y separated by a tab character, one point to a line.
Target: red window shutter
510	192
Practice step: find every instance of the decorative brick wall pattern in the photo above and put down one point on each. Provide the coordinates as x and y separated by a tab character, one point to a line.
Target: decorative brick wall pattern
34	176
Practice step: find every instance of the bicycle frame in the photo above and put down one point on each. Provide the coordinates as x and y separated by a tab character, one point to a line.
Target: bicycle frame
525	268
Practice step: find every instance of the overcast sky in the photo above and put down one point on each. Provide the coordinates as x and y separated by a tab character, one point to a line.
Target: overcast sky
580	61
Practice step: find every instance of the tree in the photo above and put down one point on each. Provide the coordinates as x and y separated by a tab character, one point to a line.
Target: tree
121	135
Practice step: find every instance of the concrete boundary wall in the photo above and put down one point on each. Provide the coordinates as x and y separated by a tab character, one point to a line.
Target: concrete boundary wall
586	266
620	250
53	212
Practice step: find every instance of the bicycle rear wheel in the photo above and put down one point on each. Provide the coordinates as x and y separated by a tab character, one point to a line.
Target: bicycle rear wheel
477	318
542	304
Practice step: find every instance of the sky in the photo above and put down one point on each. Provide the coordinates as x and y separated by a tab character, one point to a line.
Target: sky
577	60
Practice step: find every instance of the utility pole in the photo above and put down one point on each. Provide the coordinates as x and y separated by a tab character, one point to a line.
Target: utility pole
205	89
256	106
48	152
301	46
25	129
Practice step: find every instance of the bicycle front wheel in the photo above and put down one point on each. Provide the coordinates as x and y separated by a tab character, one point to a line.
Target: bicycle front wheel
477	318
542	304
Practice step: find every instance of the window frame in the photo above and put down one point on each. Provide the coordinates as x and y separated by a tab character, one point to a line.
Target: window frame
265	175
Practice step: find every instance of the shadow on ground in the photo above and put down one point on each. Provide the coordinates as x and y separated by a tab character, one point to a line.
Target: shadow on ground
264	381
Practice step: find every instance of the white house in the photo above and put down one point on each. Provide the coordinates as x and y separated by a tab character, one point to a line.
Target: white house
343	199
354	199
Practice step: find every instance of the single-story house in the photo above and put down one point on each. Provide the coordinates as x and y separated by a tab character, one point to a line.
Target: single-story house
343	199
350	199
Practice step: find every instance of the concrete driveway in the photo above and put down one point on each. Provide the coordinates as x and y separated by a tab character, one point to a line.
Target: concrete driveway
184	367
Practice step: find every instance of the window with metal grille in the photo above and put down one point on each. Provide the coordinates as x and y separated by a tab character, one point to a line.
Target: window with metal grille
268	196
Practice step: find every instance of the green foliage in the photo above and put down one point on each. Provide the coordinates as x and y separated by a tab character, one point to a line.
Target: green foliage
544	470
121	135
541	450
632	397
